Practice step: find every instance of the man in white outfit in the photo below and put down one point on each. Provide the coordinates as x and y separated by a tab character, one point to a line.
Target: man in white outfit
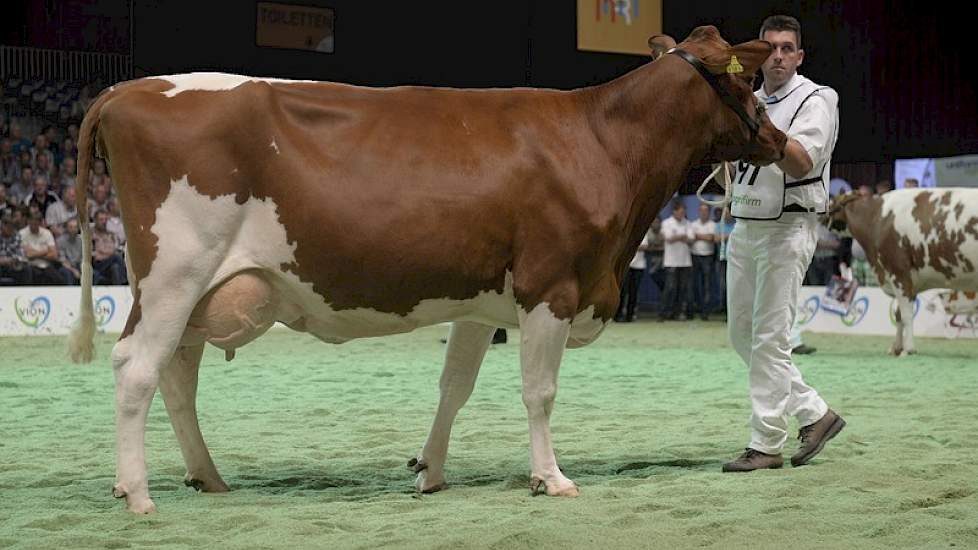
770	248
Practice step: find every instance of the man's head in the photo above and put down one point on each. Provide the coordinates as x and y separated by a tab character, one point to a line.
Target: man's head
883	187
3	194
101	217
68	166
73	132
34	222
40	142
6	146
865	190
704	212
9	227
100	193
69	196
27	176
40	186
51	134
98	167
71	226
784	33
911	183
678	210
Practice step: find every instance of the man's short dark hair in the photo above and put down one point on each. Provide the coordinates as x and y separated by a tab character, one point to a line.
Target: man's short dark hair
782	23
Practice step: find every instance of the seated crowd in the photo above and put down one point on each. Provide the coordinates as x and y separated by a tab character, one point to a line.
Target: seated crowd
40	240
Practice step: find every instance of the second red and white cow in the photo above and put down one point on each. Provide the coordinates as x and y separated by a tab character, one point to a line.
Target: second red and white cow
915	239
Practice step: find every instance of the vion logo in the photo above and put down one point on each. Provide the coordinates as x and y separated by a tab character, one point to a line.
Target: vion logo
104	310
33	313
626	10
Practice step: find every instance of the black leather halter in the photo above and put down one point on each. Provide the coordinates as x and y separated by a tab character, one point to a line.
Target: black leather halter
728	99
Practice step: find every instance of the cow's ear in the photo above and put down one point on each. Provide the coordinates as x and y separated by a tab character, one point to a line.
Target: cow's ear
660	44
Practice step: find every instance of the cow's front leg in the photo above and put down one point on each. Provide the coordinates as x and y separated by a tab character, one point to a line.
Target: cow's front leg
543	337
904	345
467	346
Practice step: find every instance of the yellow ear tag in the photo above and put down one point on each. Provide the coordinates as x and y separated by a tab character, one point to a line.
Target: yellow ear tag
734	67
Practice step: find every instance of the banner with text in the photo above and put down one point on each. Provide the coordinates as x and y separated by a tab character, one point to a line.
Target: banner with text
618	26
47	310
295	27
872	312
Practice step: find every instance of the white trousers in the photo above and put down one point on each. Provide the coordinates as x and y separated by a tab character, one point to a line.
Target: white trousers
766	264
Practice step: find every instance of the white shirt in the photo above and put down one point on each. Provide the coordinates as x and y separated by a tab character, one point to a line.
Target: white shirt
676	254
814	129
701	247
41	241
638	261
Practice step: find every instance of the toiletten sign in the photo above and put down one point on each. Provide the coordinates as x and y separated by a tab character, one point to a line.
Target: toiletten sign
295	27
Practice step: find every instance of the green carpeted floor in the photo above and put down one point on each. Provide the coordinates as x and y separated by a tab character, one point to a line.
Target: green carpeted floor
313	440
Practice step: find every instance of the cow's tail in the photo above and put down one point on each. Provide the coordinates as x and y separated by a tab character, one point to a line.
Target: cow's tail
81	340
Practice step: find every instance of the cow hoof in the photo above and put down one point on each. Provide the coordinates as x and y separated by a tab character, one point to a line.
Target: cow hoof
206	486
896	352
907	352
141	506
566	489
427	486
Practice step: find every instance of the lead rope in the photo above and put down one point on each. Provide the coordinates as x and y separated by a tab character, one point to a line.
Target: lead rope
724	181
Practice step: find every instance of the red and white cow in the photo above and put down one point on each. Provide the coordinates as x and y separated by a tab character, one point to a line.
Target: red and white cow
915	239
348	212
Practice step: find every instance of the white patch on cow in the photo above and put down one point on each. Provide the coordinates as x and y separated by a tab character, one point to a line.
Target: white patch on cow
274	146
213	82
195	230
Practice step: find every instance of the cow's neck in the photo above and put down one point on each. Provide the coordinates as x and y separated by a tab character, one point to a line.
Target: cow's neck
867	212
649	123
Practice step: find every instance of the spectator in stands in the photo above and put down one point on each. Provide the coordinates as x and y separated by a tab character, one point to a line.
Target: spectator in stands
704	231
41	149
70	250
66	174
114	223
107	263
40	196
724	228
676	258
19	142
68	150
43	166
6	206
911	183
54	143
656	248
19	191
633	280
826	260
58	213
14	268
9	165
883	187
98	167
41	251
99	199
73	133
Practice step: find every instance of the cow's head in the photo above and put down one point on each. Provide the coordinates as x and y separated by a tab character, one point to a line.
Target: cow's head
836	217
742	129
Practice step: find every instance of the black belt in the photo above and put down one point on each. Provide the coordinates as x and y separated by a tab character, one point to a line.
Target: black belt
798	208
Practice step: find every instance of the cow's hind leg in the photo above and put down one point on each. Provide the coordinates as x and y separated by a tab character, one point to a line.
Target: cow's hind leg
467	346
543	338
178	386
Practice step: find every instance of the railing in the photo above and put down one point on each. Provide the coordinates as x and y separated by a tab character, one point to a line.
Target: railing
30	63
